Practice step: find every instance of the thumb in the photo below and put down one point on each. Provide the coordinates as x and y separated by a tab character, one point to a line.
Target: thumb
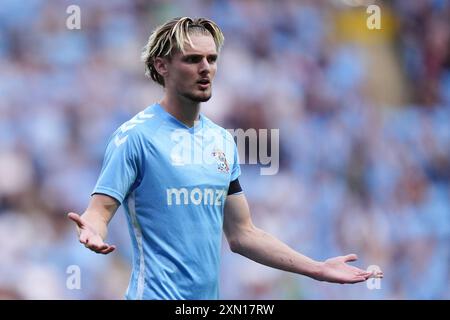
84	237
350	257
76	218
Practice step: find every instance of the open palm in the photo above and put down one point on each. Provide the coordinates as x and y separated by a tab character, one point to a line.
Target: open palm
89	236
337	270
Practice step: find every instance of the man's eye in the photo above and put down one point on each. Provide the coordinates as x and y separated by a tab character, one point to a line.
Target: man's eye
212	59
192	59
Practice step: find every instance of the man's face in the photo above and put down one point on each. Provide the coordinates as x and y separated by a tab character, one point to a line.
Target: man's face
190	74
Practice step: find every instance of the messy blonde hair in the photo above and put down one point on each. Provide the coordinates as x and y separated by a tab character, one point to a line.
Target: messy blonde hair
173	35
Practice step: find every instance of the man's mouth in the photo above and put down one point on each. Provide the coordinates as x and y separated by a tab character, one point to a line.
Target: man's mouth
203	84
204	81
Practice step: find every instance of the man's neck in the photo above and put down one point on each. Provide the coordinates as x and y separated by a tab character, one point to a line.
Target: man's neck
183	109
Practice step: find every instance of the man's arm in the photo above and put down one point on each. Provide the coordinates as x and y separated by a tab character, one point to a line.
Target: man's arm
246	239
92	226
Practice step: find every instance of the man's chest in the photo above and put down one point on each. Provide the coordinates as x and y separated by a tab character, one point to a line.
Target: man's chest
188	163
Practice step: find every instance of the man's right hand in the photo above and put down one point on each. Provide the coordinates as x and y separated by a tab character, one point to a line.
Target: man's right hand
89	236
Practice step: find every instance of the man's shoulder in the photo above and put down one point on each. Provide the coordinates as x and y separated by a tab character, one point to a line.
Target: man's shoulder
139	122
136	126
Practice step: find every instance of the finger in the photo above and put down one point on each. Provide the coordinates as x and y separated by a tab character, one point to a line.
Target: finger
360	279
357	279
375	272
104	250
97	242
363	273
93	248
84	237
350	257
374	276
76	218
92	244
358	270
108	250
367	275
377	275
97	247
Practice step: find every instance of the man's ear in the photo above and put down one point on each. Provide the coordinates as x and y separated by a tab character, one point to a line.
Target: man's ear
161	66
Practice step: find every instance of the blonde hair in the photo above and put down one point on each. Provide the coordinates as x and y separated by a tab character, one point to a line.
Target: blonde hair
173	35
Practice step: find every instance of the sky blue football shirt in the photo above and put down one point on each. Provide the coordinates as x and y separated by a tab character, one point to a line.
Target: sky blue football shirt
172	181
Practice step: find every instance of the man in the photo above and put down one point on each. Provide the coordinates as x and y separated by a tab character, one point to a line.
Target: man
176	173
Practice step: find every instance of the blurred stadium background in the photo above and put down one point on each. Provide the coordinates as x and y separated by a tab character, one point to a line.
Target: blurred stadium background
364	135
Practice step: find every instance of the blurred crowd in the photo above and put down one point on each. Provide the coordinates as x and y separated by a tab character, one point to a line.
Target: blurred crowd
364	140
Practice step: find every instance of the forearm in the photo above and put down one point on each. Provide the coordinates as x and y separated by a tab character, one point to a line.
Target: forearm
99	212
264	248
244	238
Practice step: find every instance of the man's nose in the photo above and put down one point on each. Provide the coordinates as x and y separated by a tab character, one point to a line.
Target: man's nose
204	66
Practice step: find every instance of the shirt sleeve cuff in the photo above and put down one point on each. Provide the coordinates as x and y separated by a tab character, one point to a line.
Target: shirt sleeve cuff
109	192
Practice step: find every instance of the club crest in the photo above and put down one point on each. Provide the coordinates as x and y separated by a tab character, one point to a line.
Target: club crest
222	164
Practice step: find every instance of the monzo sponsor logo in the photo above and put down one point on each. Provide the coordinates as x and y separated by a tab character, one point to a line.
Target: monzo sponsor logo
195	196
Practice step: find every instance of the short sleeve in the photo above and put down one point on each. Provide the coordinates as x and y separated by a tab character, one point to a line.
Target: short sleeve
236	169
120	166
